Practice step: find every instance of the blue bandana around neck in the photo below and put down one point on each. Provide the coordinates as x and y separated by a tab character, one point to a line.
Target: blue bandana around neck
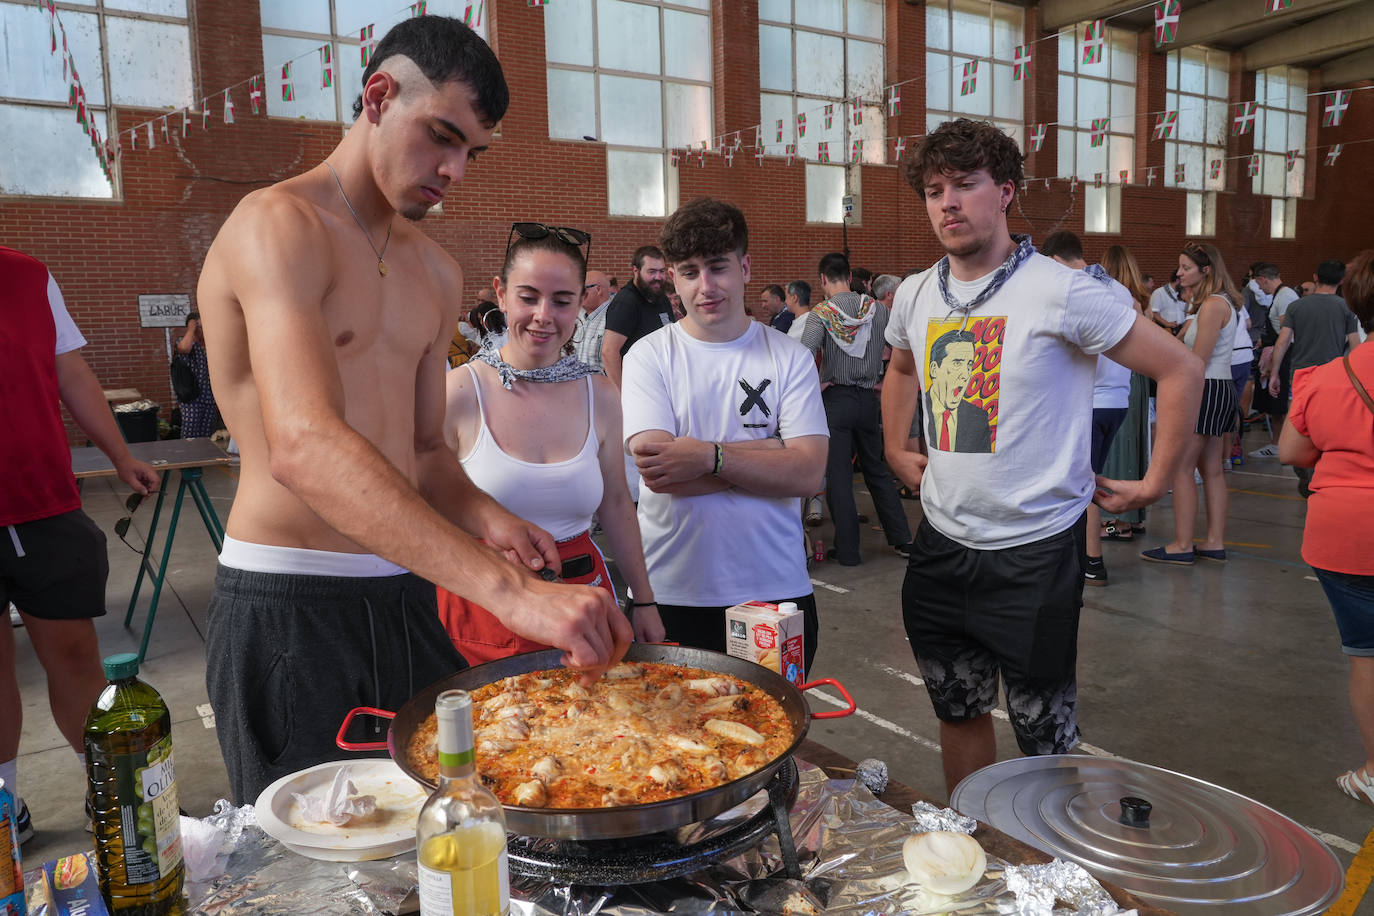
567	369
1024	249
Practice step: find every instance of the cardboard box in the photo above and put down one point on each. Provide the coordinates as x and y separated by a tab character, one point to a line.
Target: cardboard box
68	887
768	636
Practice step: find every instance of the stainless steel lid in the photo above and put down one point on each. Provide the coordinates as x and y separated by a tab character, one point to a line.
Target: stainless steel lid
1173	840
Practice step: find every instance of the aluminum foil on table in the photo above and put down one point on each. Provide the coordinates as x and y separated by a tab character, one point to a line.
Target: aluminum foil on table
848	842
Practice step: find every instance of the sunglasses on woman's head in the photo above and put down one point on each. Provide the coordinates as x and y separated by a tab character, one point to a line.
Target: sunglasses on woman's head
534	231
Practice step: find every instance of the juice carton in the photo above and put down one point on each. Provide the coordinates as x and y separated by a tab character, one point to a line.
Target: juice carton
769	635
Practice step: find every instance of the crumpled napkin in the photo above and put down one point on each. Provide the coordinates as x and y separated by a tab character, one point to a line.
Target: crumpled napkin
337	805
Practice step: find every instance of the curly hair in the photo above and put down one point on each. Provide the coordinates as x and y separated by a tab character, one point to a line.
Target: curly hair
704	227
1359	288
963	145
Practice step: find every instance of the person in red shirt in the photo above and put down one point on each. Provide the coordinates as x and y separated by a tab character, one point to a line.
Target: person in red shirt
1330	427
52	556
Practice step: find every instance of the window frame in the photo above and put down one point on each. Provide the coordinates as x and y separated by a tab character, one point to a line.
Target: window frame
1013	126
109	109
1120	127
1293	187
810	103
1202	182
670	178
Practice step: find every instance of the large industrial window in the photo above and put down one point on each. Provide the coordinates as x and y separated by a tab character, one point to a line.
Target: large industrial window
294	32
130	52
817	59
960	36
1280	130
1194	128
1097	120
635	74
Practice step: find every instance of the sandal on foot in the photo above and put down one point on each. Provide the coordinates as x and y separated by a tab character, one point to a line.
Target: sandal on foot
1162	555
1115	531
1358	785
1216	556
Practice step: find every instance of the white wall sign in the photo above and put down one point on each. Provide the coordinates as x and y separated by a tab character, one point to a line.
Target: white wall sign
163	311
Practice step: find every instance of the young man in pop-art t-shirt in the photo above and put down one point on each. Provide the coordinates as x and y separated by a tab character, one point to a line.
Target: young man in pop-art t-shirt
723	416
1003	343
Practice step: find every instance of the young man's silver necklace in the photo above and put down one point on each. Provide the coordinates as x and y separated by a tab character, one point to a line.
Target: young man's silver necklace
381	261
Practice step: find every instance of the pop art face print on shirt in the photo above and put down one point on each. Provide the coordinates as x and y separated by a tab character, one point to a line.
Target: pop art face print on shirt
962	381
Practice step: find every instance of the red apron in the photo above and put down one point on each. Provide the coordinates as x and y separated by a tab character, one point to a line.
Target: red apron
480	637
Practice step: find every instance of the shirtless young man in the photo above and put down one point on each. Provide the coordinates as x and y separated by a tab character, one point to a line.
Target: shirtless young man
328	320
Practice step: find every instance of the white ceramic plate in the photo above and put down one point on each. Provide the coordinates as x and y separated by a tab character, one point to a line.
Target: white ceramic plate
387	832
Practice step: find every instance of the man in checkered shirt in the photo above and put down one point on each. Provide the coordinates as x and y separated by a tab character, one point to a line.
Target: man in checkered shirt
591	327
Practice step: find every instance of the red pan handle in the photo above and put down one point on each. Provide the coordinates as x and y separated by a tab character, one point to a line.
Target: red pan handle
366	745
833	713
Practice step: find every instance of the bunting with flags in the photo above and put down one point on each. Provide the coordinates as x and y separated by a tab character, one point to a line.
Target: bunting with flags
673	157
1166	22
1097	179
326	65
898	147
856	109
791	149
417	9
801	124
1277	6
1037	136
366	44
166	133
1334	110
1215	169
1073	184
758	155
151	143
288	88
1165	124
1150	176
185	122
894	101
729	154
1099	131
1094	36
823	151
1252	166
1243	120
1180	173
970	83
204	114
468	19
1125	176
829	116
228	108
1291	159
1020	62
1333	154
856	151
255	93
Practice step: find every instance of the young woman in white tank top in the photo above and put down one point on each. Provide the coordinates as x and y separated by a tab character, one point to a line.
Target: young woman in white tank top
1210	331
540	433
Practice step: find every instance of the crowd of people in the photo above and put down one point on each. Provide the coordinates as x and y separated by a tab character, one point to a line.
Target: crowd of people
392	519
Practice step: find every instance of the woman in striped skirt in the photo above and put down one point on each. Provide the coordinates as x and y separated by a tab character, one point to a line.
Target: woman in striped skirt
1210	331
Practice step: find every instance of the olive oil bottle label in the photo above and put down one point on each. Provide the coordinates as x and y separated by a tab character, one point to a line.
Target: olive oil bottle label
145	787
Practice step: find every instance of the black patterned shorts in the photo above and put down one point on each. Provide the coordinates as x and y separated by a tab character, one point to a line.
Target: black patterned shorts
975	617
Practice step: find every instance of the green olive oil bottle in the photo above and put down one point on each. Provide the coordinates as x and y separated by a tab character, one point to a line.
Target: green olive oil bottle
133	794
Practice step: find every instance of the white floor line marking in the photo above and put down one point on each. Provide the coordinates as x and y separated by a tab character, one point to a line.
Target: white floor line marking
833	588
1258	474
878	721
207	715
1311	578
1329	839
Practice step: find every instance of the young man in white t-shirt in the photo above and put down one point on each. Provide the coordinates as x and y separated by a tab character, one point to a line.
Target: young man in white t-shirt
994	584
723	416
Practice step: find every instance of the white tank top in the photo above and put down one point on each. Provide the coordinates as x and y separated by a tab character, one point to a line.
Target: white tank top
559	496
1219	360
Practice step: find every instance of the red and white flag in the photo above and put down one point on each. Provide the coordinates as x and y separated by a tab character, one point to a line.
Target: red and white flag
856	111
228	108
366	43
1277	6
1094	36
1252	166
1037	136
1099	131
1180	173
791	153
288	88
729	157
1073	184
779	130
255	93
1020	62
823	151
326	65
1097	179
1333	154
673	157
898	147
829	116
1166	21
1125	176
1215	169
166	134
758	155
801	124
1335	108
1150	176
185	122
1292	159
1164	125
152	144
970	81
894	101
856	151
1243	119
468	18
204	114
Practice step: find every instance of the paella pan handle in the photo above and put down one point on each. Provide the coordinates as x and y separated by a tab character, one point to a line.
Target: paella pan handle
833	713
365	745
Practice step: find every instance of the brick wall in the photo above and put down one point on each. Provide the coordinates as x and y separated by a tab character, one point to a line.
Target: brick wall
104	254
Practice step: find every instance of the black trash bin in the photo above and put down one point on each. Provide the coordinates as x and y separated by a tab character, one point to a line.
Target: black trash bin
137	421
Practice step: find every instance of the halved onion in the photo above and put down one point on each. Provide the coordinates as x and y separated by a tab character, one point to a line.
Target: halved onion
944	862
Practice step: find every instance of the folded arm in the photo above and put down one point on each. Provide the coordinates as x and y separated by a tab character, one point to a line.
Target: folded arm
683	466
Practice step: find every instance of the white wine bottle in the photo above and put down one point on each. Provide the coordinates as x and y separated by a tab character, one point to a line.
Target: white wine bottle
460	838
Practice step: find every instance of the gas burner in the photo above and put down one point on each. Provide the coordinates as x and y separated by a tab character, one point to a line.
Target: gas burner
659	856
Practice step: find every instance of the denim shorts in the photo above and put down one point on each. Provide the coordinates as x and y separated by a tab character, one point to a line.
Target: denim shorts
1352	602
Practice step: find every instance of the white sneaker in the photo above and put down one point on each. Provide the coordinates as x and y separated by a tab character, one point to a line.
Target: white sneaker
1197	476
1269	451
15	619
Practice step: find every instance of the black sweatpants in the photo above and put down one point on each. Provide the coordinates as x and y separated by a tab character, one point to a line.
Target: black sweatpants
852	415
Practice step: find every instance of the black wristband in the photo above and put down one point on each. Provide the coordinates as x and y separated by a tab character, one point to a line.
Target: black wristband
644	604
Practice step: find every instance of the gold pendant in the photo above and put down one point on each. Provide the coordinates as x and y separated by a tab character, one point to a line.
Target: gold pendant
381	267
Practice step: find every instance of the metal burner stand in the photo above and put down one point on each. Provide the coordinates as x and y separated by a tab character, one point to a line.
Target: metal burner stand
658	857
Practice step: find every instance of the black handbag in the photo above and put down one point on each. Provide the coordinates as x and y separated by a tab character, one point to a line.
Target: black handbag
184	383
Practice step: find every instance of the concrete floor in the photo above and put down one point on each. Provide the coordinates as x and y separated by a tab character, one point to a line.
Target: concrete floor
1232	674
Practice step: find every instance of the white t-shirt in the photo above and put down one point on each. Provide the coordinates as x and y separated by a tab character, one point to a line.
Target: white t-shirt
1168	305
1283	297
798	325
1242	351
68	337
1016	467
722	548
1111	385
